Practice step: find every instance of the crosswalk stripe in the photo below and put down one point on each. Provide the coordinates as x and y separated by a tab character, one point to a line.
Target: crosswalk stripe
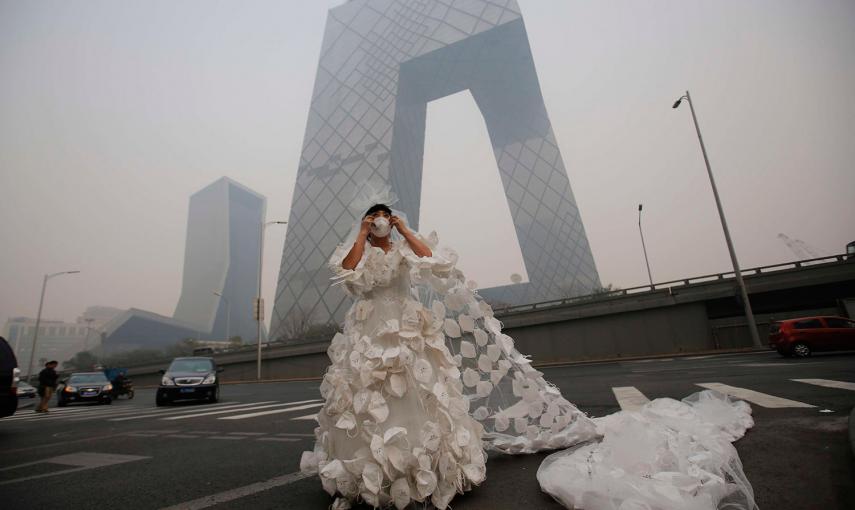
828	383
107	411
184	417
275	411
761	399
171	412
57	415
307	417
629	398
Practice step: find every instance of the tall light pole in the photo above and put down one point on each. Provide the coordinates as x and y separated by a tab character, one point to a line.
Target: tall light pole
228	314
643	247
259	303
39	318
749	314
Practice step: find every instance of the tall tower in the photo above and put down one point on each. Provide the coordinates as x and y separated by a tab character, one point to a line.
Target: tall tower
221	255
381	62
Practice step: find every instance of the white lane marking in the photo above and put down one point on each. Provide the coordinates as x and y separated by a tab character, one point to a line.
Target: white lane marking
629	398
755	397
155	414
224	411
700	357
275	411
80	461
233	438
279	439
74	415
240	492
828	383
247	433
307	417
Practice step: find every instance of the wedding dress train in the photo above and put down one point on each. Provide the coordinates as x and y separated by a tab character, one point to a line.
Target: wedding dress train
423	382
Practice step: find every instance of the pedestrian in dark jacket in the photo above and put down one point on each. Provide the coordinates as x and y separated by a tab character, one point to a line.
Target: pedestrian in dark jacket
47	385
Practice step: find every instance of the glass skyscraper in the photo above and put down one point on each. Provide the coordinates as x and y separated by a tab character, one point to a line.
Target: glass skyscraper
381	63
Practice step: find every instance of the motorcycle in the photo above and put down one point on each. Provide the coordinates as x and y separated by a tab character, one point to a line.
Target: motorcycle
123	387
122	384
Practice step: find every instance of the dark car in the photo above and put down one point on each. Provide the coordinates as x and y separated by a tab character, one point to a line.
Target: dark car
800	337
85	387
8	379
26	390
189	379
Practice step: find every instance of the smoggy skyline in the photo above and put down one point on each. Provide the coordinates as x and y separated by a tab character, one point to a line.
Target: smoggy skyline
114	113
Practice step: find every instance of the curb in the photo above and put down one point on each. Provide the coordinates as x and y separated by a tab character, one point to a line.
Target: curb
852	430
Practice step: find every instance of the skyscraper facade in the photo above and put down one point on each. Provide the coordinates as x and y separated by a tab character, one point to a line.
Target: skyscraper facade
382	62
220	279
221	255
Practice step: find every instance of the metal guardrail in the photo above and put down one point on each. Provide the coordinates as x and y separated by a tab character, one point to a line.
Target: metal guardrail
671	284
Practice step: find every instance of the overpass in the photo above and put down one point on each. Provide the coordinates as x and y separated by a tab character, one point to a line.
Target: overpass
682	316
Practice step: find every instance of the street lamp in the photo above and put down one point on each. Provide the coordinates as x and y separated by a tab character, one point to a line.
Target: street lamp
643	247
259	303
39	318
228	314
749	315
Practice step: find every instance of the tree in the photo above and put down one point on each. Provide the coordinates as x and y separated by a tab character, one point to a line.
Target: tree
83	360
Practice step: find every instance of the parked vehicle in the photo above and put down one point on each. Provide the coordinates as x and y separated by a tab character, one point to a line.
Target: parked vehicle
9	373
800	337
85	387
192	378
26	390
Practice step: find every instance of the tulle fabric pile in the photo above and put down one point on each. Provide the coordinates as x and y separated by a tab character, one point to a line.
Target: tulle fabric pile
668	455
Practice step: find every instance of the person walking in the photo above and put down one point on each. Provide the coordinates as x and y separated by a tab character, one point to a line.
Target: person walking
47	385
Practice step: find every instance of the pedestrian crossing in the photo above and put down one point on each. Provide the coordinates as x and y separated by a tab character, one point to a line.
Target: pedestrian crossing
134	412
627	398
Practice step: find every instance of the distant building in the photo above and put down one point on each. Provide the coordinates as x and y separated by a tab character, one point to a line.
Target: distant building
58	340
382	62
221	255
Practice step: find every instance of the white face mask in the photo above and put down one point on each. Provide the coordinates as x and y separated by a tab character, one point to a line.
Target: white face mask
380	227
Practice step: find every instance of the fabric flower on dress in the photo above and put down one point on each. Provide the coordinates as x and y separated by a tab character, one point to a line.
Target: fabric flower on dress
422	370
377	407
467	350
400	493
481	337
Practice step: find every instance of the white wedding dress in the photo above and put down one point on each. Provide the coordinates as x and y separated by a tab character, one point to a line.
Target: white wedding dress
423	382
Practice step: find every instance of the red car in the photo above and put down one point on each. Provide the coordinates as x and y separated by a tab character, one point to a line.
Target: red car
800	337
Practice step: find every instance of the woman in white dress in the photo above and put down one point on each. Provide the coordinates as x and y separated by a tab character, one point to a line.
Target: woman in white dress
423	382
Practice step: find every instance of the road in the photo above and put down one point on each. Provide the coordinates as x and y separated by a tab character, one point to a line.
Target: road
244	451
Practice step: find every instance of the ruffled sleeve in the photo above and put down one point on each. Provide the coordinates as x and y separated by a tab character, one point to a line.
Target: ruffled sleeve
353	280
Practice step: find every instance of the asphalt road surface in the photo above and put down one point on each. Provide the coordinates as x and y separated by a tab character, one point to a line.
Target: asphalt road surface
244	452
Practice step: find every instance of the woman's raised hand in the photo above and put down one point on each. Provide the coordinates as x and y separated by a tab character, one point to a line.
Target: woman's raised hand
365	226
398	222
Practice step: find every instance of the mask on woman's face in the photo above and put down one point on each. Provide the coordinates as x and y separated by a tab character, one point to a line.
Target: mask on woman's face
380	227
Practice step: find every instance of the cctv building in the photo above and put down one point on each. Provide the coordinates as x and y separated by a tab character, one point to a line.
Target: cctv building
220	277
381	63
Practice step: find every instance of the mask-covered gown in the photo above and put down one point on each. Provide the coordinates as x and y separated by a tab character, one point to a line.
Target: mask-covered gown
423	382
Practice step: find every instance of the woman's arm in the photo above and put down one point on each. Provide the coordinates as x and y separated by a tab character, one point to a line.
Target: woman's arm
351	260
417	245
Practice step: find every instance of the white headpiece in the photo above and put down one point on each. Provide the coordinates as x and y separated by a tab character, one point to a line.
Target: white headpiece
372	193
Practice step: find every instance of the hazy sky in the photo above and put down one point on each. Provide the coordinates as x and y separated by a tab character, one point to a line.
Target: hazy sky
112	113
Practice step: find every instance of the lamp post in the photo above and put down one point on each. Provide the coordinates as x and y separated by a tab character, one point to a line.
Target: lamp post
749	314
644	248
228	314
259	304
39	318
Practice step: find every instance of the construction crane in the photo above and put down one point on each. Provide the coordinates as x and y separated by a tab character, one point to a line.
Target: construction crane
801	249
